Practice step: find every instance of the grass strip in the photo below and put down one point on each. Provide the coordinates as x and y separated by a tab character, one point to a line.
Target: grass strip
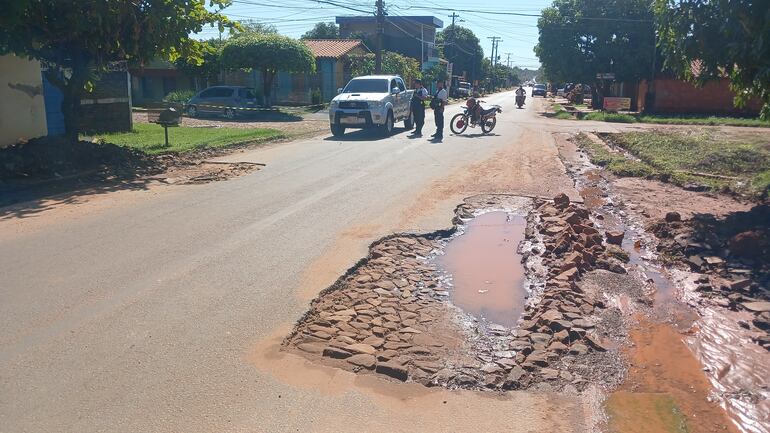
149	138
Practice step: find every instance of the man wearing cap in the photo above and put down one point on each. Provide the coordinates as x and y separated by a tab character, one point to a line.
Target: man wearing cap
418	107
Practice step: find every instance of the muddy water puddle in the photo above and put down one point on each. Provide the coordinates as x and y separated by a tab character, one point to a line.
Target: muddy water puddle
485	266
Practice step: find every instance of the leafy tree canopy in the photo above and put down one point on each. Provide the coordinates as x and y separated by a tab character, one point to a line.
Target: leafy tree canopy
251	27
462	48
207	64
77	38
724	38
323	31
580	38
392	63
268	53
435	73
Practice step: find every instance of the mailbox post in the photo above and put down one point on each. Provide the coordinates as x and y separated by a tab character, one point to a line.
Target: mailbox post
167	118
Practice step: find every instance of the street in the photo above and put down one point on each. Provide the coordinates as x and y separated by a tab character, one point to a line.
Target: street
153	310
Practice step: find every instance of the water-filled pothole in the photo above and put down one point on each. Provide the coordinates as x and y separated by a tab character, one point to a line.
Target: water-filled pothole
487	274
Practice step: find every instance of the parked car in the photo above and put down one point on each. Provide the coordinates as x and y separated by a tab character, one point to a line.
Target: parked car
463	90
227	101
561	92
371	101
538	90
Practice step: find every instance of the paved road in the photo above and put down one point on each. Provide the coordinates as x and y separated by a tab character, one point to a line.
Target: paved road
159	310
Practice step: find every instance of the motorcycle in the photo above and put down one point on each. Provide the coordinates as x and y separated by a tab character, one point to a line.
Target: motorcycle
473	115
520	100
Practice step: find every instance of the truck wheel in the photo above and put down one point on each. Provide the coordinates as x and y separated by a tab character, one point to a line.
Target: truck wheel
387	127
337	130
409	122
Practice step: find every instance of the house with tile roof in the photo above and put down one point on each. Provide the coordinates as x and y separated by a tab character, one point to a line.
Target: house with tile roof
332	72
332	63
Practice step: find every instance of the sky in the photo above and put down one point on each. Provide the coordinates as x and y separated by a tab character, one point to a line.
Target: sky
489	18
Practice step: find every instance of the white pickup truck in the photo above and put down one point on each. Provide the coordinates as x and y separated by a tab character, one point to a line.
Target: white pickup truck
371	101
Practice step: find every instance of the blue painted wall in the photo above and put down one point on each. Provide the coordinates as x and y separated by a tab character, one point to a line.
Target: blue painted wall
53	115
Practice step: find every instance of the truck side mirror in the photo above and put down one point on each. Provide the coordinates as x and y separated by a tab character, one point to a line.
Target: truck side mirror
395	90
339	90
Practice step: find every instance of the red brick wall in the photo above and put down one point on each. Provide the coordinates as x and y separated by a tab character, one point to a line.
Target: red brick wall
677	96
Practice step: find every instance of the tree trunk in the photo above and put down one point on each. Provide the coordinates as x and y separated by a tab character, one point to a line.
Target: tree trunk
72	89
267	86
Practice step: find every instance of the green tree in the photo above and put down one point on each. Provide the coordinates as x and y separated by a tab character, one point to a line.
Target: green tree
323	31
78	39
251	26
268	53
726	39
580	38
435	73
392	63
462	48
205	66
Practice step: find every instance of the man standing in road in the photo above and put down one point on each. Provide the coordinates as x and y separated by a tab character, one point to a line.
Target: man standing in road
437	104
418	108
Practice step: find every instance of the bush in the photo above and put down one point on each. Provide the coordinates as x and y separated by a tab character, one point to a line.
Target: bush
610	117
315	97
179	96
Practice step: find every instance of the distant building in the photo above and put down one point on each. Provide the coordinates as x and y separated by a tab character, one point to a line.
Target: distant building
332	72
153	81
332	65
413	36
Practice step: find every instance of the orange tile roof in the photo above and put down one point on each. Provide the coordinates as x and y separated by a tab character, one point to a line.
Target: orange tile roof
333	48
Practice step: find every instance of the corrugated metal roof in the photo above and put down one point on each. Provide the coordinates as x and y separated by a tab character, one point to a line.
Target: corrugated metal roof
333	48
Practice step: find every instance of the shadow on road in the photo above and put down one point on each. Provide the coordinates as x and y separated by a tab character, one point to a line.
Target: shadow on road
365	135
478	135
24	201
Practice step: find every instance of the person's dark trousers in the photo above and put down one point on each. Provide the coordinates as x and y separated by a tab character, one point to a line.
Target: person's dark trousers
439	116
419	120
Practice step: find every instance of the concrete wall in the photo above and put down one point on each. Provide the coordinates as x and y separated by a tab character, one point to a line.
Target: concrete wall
22	107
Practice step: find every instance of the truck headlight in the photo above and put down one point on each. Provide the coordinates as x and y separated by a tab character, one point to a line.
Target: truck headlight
334	104
375	105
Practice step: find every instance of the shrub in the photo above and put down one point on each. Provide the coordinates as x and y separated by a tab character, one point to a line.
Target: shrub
179	96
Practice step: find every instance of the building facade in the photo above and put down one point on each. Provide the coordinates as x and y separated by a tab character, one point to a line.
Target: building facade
411	36
22	100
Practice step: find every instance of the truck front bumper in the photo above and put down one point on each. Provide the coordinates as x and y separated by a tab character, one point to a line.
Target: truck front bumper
355	118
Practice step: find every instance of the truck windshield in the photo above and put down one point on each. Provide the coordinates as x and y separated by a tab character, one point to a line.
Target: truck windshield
367	85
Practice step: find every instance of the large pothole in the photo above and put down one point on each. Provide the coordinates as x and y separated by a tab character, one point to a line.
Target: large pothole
495	303
484	267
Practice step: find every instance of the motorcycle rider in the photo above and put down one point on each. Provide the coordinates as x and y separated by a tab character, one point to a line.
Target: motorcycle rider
520	92
418	108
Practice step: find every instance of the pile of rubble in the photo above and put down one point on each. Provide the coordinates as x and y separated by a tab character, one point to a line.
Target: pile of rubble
391	315
731	254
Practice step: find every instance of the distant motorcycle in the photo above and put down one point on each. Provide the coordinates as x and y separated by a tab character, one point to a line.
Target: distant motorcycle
474	115
520	100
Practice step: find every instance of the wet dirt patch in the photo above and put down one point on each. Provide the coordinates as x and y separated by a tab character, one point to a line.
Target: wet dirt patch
686	344
634	412
392	314
487	276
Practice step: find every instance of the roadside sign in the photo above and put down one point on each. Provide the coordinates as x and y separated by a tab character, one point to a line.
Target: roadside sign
606	76
617	104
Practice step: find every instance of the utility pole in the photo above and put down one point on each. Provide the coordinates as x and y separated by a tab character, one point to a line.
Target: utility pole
451	40
380	34
453	16
508	61
495	40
